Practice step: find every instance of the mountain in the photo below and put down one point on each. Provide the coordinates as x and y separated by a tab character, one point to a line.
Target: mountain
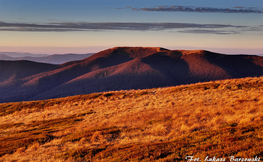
124	68
51	59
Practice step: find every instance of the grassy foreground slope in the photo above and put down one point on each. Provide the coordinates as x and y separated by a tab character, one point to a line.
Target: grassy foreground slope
220	118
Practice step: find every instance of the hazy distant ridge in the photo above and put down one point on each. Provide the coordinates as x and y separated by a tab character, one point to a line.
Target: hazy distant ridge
20	54
51	59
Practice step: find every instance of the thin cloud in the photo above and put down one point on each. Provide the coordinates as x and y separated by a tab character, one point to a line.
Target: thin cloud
237	9
203	31
84	26
253	28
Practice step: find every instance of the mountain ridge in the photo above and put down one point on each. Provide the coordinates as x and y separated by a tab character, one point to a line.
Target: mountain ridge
124	68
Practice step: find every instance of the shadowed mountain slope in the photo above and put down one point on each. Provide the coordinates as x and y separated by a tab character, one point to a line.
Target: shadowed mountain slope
12	70
132	68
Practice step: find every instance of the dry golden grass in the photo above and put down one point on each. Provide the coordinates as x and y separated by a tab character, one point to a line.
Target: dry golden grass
220	118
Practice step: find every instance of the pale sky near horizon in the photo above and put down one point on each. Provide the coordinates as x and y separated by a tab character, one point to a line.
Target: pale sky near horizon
84	26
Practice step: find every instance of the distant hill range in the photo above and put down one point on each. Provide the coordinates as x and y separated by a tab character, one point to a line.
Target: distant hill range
51	59
121	68
20	54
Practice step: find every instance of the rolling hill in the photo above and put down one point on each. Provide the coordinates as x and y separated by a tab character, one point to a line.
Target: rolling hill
124	68
221	119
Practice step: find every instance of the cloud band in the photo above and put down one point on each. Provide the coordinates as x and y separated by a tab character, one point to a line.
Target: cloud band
84	26
201	9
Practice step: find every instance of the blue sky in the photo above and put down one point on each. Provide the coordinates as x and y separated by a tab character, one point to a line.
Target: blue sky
82	26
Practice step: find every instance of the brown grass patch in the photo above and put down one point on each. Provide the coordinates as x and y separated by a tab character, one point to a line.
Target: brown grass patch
37	131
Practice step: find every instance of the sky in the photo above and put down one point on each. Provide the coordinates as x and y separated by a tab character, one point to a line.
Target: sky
87	26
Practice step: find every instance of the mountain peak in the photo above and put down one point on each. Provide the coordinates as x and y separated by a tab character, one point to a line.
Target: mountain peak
158	49
195	52
132	52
